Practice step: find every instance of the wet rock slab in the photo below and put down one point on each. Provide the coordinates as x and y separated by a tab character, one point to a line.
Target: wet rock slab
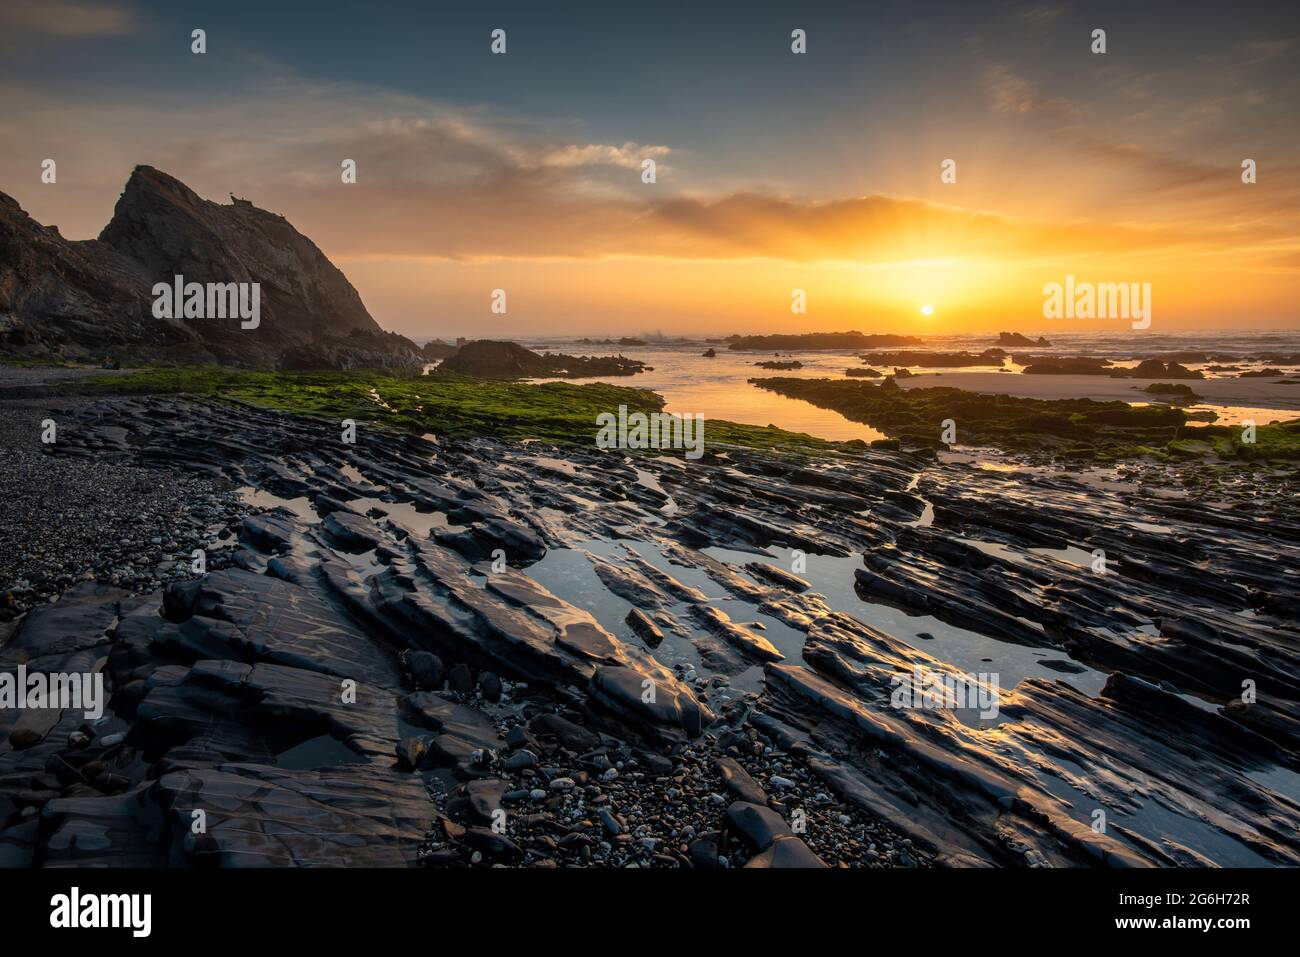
393	662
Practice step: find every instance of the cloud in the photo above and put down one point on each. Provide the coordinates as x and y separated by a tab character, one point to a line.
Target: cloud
1041	14
1261	51
67	19
888	229
442	181
628	156
534	219
1160	171
446	147
1010	93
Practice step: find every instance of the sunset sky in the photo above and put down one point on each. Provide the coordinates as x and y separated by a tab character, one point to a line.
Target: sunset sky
775	171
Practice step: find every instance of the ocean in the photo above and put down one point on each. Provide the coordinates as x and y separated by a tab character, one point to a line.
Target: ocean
719	387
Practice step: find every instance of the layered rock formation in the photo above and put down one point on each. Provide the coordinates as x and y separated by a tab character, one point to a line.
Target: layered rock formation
935	360
87	299
76	299
1017	339
1123	735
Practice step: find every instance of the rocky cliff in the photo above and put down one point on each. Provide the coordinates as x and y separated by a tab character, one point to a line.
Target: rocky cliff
86	300
74	299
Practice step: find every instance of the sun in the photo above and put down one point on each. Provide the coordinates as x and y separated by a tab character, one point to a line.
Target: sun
927	310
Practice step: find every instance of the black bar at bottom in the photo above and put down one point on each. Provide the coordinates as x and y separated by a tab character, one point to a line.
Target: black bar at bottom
496	906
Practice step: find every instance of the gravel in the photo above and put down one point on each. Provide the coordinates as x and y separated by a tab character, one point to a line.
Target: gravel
68	520
657	810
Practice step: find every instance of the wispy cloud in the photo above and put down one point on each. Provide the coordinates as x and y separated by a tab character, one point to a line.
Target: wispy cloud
1041	14
1011	93
1261	51
67	19
437	181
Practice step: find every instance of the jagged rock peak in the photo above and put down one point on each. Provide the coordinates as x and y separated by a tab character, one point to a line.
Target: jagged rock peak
78	299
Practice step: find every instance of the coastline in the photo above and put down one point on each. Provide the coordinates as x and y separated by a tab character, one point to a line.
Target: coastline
719	387
519	687
1236	392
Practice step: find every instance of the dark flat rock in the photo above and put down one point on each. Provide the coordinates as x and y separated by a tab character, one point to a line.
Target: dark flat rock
786	850
739	782
756	824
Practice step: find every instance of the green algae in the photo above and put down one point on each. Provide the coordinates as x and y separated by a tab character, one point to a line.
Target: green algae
1075	429
445	404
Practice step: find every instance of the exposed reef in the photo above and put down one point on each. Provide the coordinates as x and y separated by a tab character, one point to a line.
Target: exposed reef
480	686
489	359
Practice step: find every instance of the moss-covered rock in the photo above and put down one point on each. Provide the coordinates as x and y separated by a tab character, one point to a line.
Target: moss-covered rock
1075	429
444	404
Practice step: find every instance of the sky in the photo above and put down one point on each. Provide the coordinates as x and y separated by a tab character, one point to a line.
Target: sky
774	171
